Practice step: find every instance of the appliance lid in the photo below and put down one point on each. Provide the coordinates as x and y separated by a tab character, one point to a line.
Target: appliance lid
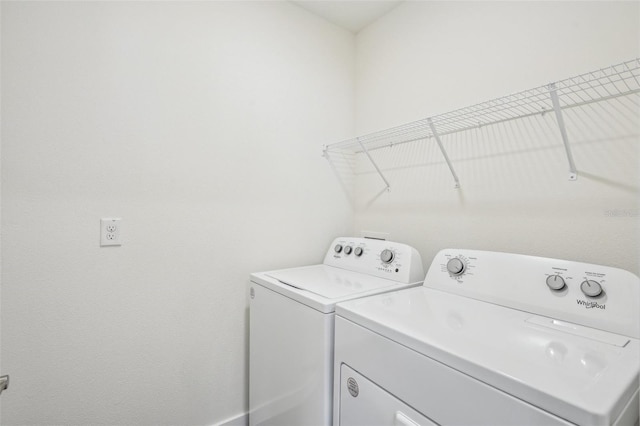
586	378
329	282
321	287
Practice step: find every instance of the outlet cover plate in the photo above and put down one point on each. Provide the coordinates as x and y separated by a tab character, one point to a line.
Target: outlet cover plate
110	234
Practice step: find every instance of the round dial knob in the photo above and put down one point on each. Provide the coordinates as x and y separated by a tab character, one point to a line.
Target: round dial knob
456	266
358	251
386	256
591	288
555	282
338	248
348	250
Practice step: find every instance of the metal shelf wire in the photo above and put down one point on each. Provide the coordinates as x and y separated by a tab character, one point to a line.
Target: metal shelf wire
604	84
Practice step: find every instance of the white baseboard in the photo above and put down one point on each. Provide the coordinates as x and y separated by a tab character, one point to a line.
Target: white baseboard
239	420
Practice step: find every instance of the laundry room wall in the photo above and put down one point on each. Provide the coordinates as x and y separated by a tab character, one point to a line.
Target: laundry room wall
200	124
428	58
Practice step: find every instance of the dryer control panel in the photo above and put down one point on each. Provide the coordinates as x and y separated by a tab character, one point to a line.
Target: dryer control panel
597	296
384	259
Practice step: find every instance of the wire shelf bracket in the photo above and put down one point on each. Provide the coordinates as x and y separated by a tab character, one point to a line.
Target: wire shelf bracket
444	152
366	151
553	92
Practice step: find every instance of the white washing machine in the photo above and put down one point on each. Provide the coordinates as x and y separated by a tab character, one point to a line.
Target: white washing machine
493	339
292	324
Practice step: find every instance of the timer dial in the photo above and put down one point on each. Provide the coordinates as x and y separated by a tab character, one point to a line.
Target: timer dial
456	266
591	288
386	256
555	282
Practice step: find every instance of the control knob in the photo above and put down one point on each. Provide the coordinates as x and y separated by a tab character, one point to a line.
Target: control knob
338	248
555	282
456	266
591	288
358	251
348	250
387	256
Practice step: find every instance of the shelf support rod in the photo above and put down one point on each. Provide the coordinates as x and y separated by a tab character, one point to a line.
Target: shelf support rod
444	153
364	149
553	91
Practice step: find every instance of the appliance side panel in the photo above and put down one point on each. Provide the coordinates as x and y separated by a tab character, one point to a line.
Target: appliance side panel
288	371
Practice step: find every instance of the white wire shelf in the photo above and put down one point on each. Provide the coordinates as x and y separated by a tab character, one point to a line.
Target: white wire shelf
604	84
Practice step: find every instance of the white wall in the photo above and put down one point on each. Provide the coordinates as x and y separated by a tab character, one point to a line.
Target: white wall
200	124
428	58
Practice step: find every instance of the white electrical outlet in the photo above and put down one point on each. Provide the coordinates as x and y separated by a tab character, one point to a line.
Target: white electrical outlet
110	231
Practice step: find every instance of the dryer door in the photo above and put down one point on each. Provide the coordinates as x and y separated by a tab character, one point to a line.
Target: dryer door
363	403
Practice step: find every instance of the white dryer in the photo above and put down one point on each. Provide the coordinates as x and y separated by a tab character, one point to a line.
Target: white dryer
292	324
493	339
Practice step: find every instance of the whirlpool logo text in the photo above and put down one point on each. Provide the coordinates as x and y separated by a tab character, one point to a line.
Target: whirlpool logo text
590	305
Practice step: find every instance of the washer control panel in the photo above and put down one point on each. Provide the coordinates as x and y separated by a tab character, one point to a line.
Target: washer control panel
593	295
385	259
